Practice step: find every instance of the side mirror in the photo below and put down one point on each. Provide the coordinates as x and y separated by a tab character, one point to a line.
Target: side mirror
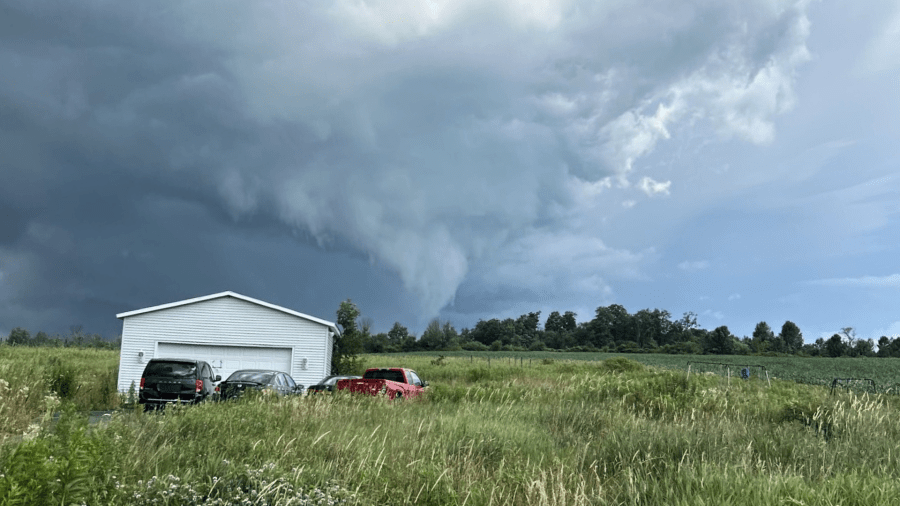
424	384
218	378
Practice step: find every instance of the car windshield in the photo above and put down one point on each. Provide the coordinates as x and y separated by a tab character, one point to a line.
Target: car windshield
251	376
173	369
384	374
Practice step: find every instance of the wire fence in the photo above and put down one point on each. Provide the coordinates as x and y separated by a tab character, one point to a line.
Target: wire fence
743	372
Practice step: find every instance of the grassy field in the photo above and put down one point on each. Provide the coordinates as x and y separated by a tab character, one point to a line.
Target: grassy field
35	379
884	372
538	432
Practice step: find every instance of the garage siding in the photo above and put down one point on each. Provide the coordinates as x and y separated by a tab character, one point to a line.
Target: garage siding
225	321
227	359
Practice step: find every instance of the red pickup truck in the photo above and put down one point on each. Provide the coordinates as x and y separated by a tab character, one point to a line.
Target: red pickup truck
394	382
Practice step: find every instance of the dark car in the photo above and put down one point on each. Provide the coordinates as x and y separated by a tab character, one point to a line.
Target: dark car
328	384
276	382
176	380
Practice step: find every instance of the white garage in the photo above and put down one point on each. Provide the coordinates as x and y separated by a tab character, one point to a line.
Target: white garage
230	331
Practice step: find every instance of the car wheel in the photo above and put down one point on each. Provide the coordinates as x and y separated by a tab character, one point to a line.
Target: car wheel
399	396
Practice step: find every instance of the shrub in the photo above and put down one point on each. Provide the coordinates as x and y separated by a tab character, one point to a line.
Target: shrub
238	485
475	346
62	379
537	346
621	364
65	467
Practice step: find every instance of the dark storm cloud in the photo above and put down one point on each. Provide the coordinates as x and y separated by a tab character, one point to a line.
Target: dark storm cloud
449	143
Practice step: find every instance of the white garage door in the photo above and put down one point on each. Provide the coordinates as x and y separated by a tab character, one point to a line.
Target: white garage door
227	359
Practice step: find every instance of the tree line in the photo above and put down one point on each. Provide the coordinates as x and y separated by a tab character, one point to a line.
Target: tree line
76	338
612	329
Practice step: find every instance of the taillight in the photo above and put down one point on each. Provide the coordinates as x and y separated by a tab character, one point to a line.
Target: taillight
199	384
142	382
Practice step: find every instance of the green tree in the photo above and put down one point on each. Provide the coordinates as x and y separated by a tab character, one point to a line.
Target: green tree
864	348
763	338
685	335
558	330
569	322
41	339
611	324
884	346
849	335
719	342
554	323
377	343
19	337
439	336
399	339
835	347
347	346
527	329
654	327
433	336
452	338
791	337
487	331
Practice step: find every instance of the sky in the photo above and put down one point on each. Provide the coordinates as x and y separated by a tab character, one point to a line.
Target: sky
461	160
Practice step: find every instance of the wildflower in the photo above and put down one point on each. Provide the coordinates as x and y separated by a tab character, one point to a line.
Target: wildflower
32	431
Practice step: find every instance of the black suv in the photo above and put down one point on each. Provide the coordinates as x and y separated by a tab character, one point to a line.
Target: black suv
176	380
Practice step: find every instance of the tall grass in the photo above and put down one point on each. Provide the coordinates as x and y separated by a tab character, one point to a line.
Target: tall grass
552	433
810	370
33	380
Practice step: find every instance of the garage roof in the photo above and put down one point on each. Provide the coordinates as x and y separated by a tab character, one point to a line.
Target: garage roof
236	296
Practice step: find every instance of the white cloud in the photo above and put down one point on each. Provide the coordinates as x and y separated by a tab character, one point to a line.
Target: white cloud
651	187
398	21
564	259
734	296
633	135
